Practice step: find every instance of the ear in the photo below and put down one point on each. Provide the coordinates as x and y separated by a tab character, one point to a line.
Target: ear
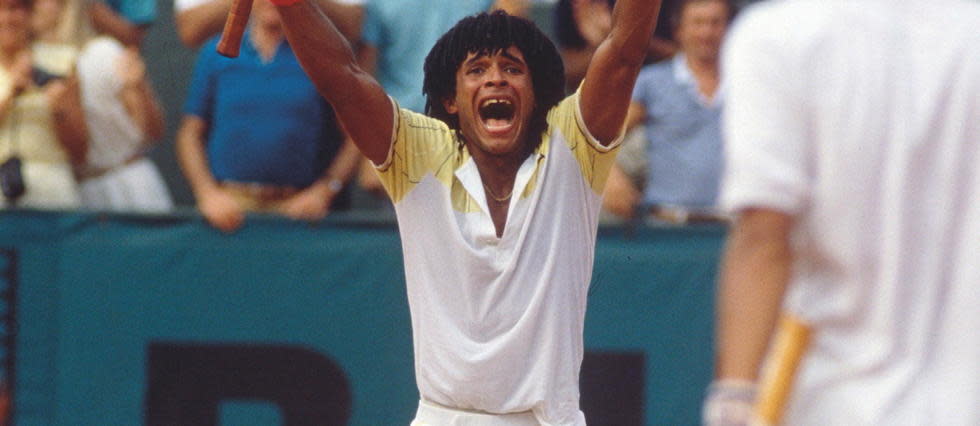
450	105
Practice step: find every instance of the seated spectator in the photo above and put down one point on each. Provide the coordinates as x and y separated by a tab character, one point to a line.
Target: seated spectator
41	120
256	135
199	20
122	113
679	103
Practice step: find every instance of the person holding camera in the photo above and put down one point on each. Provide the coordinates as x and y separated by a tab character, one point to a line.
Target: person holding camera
42	128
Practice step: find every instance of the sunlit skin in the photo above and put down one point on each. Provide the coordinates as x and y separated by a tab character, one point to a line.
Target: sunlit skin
701	29
500	77
14	27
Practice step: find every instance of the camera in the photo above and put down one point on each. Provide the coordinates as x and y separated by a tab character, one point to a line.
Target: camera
12	179
42	77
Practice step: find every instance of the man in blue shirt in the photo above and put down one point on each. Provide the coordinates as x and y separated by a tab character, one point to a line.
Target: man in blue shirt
256	136
679	103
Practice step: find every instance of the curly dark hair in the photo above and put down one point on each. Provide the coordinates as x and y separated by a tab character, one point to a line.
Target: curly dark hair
489	33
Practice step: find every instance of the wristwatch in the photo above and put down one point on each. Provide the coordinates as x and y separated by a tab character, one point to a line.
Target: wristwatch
335	185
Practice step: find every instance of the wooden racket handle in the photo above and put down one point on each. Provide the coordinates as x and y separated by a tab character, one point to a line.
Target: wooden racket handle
231	35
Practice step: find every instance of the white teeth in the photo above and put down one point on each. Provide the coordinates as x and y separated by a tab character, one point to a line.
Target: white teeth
494	101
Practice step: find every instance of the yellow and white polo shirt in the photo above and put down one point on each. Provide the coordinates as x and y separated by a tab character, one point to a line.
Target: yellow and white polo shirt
498	322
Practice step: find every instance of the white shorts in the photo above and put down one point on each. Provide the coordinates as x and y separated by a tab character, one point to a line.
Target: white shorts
432	414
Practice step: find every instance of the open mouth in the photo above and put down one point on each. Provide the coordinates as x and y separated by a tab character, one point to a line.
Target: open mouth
497	114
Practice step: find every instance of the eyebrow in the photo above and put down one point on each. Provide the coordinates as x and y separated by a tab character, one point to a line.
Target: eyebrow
503	53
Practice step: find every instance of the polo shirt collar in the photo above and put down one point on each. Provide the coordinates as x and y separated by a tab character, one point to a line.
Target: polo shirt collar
469	176
684	76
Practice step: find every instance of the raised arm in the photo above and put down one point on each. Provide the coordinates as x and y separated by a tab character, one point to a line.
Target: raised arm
612	73
359	101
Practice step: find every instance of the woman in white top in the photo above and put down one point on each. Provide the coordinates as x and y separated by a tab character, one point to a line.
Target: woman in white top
122	114
40	117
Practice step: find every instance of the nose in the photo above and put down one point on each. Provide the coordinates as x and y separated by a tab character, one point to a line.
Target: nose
495	77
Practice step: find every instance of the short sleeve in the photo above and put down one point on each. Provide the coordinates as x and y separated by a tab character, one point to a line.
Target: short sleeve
420	146
764	120
200	93
139	12
594	159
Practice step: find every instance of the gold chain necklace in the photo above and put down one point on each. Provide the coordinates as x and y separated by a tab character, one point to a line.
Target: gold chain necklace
495	197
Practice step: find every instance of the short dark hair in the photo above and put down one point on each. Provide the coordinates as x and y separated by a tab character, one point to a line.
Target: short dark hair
489	33
681	5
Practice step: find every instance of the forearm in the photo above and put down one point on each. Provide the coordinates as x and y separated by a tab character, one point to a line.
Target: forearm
755	272
347	18
359	101
193	158
615	65
341	169
632	29
105	20
197	24
69	123
143	107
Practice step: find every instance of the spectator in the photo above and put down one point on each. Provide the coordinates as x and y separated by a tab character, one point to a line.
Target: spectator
679	103
199	20
41	120
256	135
122	114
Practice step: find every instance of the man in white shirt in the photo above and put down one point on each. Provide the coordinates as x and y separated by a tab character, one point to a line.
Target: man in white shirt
854	169
497	193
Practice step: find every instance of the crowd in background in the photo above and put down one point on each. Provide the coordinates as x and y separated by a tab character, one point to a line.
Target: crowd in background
78	113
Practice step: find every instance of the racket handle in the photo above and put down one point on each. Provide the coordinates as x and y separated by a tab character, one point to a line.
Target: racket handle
231	35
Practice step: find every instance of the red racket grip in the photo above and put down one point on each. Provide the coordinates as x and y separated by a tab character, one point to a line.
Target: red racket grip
231	35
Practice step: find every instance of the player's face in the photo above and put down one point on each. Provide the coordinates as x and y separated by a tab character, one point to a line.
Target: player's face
494	101
701	28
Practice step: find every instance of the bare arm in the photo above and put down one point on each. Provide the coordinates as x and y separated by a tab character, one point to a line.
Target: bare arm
620	196
755	271
65	99
197	24
360	103
217	206
107	21
138	97
315	202
617	61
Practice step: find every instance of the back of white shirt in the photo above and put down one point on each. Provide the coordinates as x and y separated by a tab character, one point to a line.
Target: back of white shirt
862	118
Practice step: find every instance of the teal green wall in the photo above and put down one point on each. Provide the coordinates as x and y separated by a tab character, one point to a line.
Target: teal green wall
95	290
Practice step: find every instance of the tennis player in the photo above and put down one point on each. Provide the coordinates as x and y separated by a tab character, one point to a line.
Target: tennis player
497	192
853	147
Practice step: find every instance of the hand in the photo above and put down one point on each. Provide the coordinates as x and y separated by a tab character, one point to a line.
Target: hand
310	204
130	67
221	210
20	72
593	19
729	403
